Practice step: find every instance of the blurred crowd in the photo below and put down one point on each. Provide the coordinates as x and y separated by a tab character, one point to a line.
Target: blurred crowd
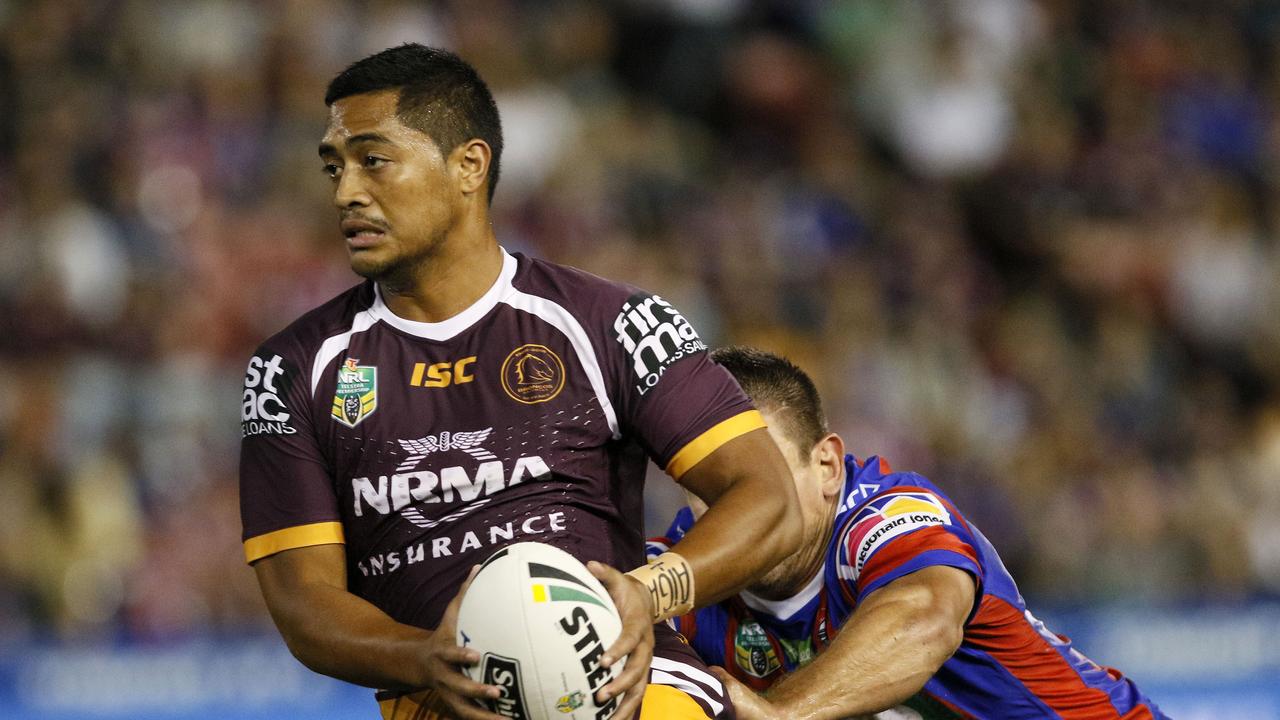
1027	248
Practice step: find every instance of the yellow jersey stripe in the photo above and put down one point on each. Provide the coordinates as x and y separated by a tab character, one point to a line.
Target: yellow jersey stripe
321	533
709	441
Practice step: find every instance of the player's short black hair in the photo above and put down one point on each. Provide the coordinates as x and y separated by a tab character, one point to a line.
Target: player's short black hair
441	95
779	385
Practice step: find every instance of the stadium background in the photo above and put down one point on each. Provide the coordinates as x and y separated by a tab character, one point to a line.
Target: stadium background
1026	248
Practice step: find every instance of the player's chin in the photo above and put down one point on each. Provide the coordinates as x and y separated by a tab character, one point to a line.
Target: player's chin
371	263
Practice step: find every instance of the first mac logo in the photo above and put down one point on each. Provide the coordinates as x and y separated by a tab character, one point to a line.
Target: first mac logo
262	411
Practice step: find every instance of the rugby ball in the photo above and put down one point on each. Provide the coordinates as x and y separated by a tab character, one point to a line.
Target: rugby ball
541	621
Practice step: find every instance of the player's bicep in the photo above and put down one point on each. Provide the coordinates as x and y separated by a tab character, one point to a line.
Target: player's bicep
294	584
289	570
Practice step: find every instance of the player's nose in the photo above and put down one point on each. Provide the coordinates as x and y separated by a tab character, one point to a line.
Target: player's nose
350	192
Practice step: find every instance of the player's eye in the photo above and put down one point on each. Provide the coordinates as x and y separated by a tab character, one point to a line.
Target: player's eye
331	170
373	161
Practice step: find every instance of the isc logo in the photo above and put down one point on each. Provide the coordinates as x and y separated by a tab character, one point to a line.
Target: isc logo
443	374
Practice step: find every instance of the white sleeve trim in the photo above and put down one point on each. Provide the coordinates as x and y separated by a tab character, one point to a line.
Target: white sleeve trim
335	345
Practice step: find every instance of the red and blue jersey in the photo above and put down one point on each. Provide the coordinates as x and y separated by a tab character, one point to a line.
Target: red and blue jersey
888	525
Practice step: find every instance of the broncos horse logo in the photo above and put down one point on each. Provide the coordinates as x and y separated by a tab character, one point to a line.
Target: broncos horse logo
531	369
532	374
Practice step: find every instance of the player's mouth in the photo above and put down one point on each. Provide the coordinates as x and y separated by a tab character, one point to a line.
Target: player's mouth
361	233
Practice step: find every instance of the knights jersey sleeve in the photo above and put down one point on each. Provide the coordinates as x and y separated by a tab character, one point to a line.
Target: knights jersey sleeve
287	498
899	531
680	404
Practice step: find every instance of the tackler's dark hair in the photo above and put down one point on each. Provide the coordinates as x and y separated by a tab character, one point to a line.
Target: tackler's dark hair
779	385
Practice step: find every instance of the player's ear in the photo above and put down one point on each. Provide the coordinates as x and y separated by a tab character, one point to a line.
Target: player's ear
473	158
829	454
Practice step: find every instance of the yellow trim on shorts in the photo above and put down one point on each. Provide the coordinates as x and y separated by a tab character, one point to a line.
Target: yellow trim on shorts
321	533
663	702
409	707
708	442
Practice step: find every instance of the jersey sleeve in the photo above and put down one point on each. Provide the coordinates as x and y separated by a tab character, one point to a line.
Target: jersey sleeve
898	532
287	498
679	404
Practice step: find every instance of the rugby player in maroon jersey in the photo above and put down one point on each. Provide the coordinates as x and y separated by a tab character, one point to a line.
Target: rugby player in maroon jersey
462	398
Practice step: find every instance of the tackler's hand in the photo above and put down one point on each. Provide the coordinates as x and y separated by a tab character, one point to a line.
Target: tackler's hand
747	704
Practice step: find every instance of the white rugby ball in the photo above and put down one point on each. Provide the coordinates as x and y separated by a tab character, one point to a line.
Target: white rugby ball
541	621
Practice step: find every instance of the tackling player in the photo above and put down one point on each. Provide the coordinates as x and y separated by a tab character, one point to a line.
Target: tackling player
463	398
893	598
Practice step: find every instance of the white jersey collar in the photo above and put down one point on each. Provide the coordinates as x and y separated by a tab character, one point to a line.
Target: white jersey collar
447	329
785	609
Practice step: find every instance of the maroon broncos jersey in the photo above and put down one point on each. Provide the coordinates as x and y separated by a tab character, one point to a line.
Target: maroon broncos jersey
424	447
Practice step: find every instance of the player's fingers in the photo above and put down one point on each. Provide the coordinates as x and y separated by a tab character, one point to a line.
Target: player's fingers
734	688
637	627
730	682
452	681
725	678
633	633
464	709
634	673
458	655
631	703
608	576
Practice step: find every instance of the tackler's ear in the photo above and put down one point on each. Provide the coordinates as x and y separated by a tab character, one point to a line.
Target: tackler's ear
828	454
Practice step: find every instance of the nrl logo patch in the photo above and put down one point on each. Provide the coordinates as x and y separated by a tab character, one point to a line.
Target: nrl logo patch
753	652
357	395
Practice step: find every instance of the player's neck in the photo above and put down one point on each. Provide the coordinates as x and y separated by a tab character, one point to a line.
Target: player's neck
447	282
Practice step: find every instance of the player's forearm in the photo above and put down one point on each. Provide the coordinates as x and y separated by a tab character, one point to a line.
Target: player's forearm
333	631
338	634
885	653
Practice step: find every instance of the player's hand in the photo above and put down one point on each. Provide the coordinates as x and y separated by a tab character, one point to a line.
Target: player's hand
444	662
746	703
635	643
